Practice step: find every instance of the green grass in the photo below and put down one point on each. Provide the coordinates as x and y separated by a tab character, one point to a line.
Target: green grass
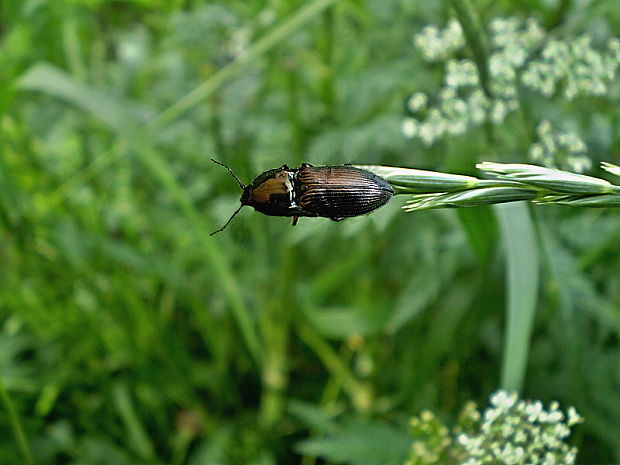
128	335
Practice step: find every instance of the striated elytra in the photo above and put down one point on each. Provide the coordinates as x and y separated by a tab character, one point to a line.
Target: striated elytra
336	192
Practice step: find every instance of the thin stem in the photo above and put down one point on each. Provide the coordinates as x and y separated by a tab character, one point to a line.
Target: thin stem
208	87
16	424
326	48
360	393
276	321
476	38
159	169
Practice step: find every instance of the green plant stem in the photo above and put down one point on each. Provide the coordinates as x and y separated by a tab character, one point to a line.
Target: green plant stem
298	136
16	424
159	169
326	48
135	431
559	16
262	46
275	328
359	393
476	38
515	182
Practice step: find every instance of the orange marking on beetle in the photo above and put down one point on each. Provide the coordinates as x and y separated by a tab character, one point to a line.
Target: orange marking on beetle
279	184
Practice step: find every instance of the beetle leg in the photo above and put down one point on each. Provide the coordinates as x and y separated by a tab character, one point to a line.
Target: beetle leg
306	165
337	219
284	167
295	218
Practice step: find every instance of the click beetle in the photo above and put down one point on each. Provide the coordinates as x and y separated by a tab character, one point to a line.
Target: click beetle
336	192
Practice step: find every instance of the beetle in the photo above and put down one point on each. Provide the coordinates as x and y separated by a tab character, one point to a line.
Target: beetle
333	191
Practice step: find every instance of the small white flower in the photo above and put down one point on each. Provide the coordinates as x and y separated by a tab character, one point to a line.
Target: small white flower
550	440
570	456
549	459
436	44
447	93
472	461
417	102
410	127
456	127
533	411
561	430
536	152
520	436
463	439
579	163
573	417
555	416
499	110
427	416
533	32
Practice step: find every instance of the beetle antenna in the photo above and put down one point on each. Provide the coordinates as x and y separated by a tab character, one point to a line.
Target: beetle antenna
231	172
229	220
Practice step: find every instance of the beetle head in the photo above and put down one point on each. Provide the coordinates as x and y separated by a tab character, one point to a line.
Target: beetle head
244	196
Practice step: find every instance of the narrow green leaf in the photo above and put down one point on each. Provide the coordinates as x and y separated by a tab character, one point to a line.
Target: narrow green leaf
480	225
117	115
137	437
53	81
261	47
344	322
425	287
16	424
335	275
311	415
157	166
576	291
522	280
476	38
337	367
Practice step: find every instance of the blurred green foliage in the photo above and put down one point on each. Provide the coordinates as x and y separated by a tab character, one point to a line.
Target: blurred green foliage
128	336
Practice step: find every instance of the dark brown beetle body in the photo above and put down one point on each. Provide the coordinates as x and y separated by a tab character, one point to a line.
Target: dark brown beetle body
334	192
338	192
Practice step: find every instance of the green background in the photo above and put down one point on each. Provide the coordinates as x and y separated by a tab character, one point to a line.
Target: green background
129	336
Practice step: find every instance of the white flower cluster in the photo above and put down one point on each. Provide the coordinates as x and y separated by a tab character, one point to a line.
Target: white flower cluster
563	150
513	40
453	114
581	70
516	432
572	66
438	44
509	432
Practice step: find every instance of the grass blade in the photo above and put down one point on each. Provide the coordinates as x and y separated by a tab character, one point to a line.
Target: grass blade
137	436
50	80
262	46
16	424
476	38
157	166
523	276
116	114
